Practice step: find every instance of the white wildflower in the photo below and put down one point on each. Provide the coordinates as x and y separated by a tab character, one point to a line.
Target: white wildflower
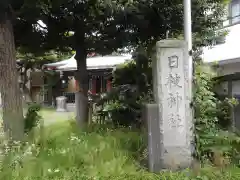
63	151
75	138
56	170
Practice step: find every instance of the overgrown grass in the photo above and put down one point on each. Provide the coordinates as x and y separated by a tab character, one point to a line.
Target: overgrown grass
62	152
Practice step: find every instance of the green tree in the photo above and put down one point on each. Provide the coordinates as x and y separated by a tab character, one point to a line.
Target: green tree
151	21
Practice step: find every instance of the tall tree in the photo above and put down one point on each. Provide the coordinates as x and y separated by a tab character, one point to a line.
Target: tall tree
9	87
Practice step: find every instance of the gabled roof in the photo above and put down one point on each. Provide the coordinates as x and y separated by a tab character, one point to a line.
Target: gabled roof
98	62
60	63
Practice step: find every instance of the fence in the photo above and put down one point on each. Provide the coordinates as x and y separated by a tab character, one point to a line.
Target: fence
70	97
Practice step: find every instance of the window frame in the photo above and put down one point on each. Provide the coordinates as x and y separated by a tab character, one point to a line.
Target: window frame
230	7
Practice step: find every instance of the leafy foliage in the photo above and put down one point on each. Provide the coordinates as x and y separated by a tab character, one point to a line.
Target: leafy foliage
32	117
128	96
143	19
109	25
205	105
212	119
225	111
28	60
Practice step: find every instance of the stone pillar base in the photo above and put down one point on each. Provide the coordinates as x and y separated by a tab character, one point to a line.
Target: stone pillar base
61	104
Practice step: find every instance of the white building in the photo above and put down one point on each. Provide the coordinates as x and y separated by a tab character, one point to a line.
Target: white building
99	73
227	56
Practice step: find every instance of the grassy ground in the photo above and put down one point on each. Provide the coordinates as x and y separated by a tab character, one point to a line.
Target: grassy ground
50	116
61	152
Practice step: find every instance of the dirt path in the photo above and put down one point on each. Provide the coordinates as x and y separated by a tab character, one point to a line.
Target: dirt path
51	117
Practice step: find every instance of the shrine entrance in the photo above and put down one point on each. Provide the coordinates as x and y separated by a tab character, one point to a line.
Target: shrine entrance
99	81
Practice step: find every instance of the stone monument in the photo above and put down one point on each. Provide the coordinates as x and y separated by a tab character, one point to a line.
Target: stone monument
61	104
170	119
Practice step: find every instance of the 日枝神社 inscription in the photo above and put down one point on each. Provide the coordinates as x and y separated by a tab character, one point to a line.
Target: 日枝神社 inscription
173	96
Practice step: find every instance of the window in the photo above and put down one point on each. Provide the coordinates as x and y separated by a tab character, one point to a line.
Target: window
234	11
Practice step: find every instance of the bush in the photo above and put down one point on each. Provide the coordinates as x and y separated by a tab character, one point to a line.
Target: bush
205	105
132	89
224	111
32	117
212	119
124	101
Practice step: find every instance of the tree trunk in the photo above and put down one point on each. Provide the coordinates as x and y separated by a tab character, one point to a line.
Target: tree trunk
81	96
25	90
10	91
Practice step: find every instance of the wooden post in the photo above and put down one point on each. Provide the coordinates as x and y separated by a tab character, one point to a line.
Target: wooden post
76	85
109	85
94	85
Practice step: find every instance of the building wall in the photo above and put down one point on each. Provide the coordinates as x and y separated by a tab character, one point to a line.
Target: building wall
236	87
36	94
71	86
226	51
222	88
36	83
37	78
228	69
